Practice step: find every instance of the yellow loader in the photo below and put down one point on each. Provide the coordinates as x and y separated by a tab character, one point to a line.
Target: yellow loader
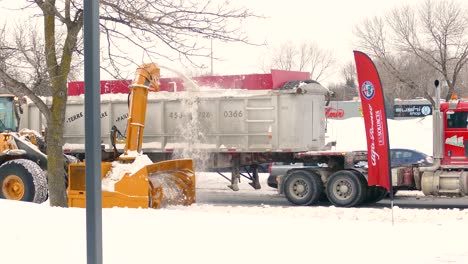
132	180
23	164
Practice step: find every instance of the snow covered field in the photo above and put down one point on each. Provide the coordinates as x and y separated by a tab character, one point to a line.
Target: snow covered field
212	233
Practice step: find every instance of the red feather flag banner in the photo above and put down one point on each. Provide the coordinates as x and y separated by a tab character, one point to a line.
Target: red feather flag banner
375	120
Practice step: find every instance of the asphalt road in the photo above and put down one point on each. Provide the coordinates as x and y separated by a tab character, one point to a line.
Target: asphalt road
426	202
228	197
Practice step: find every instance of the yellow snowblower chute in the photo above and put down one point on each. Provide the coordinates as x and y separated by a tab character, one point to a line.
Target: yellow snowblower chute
132	180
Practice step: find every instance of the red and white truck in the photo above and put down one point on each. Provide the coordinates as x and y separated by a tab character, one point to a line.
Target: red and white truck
448	176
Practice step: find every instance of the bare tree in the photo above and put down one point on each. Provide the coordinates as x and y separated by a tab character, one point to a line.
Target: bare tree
306	56
347	89
285	57
462	87
173	30
321	62
349	75
433	33
126	25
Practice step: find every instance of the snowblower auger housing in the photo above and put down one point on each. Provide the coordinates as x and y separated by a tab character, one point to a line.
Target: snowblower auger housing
153	185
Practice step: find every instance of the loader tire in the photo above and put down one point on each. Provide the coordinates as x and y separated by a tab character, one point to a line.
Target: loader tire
346	189
23	180
302	187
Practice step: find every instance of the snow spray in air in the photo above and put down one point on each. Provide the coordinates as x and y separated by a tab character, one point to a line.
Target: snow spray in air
190	129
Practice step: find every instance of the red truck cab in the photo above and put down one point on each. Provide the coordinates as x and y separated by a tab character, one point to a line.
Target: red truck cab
455	132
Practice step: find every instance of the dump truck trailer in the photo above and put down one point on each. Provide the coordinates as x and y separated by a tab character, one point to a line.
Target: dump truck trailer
226	128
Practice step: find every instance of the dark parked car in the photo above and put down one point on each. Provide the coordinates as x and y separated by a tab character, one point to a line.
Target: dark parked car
398	158
404	157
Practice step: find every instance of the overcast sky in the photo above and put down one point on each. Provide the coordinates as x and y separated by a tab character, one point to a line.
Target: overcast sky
329	23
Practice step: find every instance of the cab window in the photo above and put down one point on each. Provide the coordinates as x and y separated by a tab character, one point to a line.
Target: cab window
7	119
457	120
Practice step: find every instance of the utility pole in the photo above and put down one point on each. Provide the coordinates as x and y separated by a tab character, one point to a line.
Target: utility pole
93	132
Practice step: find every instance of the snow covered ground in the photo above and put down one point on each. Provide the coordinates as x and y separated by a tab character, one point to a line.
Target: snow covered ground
213	233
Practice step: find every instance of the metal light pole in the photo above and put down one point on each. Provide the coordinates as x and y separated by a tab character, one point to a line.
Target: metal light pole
93	133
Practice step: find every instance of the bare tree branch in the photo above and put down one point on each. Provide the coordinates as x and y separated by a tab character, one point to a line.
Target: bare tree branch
305	57
433	33
29	64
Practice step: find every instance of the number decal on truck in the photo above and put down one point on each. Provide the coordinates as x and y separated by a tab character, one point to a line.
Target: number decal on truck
176	115
233	114
180	115
204	115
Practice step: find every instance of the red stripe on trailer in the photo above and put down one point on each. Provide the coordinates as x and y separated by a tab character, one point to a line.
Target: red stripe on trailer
321	153
269	81
286	150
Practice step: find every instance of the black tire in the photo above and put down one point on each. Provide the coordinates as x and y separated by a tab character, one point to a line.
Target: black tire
28	176
346	189
302	187
295	84
363	181
375	194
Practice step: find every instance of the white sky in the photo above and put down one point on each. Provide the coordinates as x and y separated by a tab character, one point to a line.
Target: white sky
329	23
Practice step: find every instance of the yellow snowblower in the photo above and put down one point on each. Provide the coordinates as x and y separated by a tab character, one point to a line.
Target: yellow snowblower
132	180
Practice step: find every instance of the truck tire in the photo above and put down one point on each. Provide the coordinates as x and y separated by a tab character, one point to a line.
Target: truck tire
375	194
23	180
302	187
363	181
346	188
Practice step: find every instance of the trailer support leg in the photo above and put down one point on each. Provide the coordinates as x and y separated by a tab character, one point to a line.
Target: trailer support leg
255	179
235	173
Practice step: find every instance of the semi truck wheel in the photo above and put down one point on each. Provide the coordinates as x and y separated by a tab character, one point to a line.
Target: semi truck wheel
302	187
375	194
362	179
346	189
23	180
